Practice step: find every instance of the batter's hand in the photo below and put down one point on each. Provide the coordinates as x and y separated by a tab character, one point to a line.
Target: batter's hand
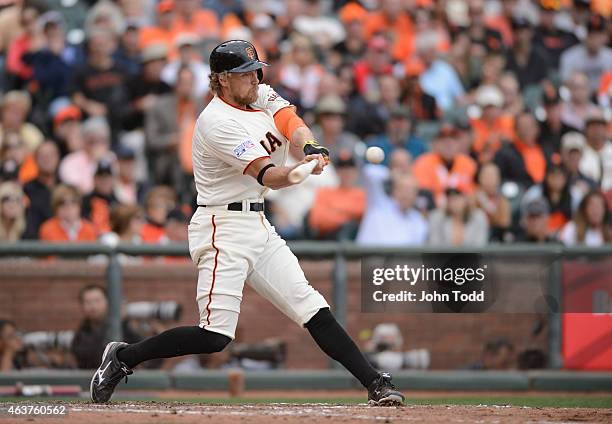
319	168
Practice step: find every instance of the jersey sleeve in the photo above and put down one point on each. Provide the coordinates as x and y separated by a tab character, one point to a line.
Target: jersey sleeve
269	100
231	143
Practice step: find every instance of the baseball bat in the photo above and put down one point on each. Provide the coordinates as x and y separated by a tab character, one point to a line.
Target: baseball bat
300	173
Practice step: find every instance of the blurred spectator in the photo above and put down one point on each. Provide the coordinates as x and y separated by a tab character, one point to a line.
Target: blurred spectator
13	154
16	106
556	190
578	107
377	61
39	190
91	336
353	47
391	217
192	18
422	105
492	203
99	86
399	135
127	222
302	74
169	127
11	347
128	190
459	224
128	54
12	214
78	168
522	161
511	91
596	161
10	24
98	204
67	129
588	226
314	23
445	166
394	23
66	225
145	87
330	114
52	60
162	31
107	16
497	354
439	78
176	226
592	57
479	32
493	128
16	68
572	148
159	201
552	126
534	223
188	57
548	36
526	61
336	209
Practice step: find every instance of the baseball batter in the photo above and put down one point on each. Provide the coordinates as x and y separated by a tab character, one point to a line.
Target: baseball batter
240	145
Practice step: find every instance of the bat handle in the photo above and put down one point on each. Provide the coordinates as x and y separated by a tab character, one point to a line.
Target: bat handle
300	173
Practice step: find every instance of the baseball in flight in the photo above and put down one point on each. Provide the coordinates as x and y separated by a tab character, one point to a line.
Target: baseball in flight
375	154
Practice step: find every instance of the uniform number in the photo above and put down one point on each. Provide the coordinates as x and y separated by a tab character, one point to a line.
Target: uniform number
271	143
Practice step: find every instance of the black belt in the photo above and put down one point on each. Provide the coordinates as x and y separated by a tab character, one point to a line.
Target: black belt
237	206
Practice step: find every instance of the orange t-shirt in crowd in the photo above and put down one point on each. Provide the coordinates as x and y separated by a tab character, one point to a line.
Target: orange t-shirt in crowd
28	170
401	31
333	207
100	215
152	233
53	231
433	175
203	23
503	127
556	221
157	35
534	159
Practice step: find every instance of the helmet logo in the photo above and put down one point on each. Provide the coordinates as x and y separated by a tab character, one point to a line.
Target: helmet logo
250	52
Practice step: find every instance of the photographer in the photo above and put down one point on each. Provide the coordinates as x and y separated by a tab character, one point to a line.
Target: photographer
90	338
49	349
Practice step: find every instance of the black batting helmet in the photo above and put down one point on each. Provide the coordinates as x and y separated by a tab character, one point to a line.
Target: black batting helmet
236	56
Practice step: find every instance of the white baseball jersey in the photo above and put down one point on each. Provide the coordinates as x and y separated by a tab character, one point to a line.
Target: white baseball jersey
234	247
235	138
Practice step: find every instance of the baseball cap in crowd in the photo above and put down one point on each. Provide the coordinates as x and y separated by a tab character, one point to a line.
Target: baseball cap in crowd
595	117
520	22
536	207
67	113
330	104
446	130
104	167
489	95
176	215
186	39
125	153
573	140
262	21
597	23
550	5
352	12
345	160
165	6
585	4
155	51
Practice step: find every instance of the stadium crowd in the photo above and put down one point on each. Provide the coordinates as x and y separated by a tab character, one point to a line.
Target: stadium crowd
494	117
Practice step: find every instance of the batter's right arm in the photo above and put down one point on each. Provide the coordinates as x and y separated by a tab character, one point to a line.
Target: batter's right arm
276	177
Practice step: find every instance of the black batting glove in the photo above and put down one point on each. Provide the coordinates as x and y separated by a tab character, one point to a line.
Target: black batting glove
312	147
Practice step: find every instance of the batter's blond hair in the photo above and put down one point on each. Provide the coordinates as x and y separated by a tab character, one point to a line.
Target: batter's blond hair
215	85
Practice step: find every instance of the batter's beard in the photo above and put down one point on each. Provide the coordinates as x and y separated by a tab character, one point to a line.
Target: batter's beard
246	100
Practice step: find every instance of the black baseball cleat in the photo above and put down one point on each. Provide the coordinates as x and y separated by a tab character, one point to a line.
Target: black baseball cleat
109	374
382	392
